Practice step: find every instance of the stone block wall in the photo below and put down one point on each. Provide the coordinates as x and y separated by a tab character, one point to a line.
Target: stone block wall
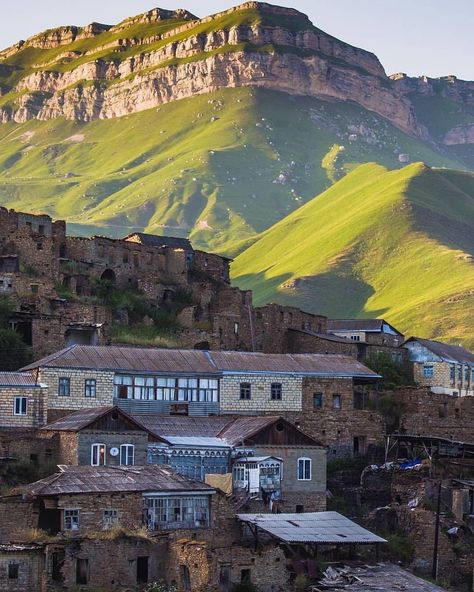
25	563
302	342
112	440
431	414
441	379
36	406
337	428
77	399
260	401
29	445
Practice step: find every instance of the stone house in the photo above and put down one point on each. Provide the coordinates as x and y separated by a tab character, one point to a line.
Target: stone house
446	369
84	499
98	436
368	331
21	567
187	382
265	455
23	400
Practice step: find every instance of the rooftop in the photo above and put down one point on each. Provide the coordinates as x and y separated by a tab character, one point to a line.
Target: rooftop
18	379
155	240
79	420
87	479
189	362
369	325
448	353
313	527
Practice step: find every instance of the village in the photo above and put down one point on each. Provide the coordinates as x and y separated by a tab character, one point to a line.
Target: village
241	449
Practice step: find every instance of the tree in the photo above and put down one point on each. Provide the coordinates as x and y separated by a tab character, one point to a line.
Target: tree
394	373
14	353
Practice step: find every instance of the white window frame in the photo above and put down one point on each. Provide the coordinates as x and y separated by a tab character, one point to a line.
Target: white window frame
19	410
125	447
93	447
304	460
72	523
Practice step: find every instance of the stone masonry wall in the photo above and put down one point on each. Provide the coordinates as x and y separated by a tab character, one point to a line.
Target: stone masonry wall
431	414
77	400
37	404
336	428
260	400
28	562
301	342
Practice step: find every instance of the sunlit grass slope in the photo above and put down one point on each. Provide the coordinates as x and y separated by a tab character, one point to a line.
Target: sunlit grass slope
220	167
395	244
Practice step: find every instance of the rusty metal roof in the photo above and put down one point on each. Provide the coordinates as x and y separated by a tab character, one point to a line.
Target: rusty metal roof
87	479
209	363
314	527
18	379
298	364
81	419
129	359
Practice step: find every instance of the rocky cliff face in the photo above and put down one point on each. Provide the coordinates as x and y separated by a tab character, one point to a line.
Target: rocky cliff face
253	44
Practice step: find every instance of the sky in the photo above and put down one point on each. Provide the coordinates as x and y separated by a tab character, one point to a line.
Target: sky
431	37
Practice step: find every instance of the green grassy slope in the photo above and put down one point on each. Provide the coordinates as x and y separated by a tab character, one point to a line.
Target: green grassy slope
394	244
220	167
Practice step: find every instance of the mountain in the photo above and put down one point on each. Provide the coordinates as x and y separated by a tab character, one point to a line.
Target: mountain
271	111
394	244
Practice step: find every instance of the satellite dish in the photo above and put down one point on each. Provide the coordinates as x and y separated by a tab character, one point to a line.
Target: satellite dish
114	451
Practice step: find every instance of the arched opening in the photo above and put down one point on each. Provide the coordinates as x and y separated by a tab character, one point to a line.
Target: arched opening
202	345
108	275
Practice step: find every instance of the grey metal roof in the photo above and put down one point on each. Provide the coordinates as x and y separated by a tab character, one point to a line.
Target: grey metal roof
209	363
370	325
314	527
197	441
18	379
87	479
445	351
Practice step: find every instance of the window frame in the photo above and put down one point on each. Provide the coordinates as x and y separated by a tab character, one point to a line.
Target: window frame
304	462
428	371
19	411
276	391
62	382
245	389
336	397
318	396
90	386
111	520
126	447
73	513
93	446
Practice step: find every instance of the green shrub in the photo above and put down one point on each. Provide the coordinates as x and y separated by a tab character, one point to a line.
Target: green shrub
14	353
245	587
394	374
401	548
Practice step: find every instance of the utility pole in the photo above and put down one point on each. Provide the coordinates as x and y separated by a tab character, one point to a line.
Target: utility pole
434	572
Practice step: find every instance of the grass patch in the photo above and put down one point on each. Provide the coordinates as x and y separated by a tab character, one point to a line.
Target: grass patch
143	335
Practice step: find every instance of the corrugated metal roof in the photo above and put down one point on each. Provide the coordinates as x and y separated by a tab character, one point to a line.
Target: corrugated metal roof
449	353
197	441
315	527
79	420
19	379
240	428
176	426
87	479
299	364
215	363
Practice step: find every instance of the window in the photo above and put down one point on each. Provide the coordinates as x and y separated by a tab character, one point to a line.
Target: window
355	337
34	288
98	454
110	519
276	391
317	400
236	328
127	454
177	512
452	374
71	519
41	229
13	569
152	388
428	371
90	386
245	391
336	401
20	406
64	388
304	469
82	571
459	374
